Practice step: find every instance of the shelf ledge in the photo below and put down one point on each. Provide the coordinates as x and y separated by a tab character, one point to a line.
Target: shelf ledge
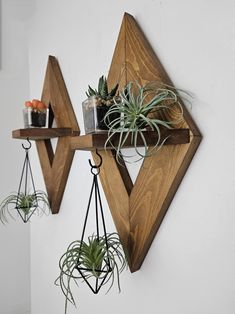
97	140
43	133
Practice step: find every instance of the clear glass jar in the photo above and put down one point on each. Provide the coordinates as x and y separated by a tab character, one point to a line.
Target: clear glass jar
35	118
93	115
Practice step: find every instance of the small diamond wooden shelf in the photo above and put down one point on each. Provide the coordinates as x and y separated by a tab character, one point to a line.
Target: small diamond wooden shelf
97	141
55	165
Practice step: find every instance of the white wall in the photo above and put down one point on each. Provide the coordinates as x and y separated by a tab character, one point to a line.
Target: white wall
190	266
14	90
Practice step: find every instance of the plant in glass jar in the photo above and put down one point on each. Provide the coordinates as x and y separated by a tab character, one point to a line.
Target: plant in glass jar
96	106
36	114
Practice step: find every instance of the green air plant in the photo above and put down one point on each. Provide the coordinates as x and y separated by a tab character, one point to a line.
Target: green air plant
100	259
25	204
97	104
142	108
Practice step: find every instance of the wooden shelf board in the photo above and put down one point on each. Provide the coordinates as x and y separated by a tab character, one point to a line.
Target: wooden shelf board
92	141
42	133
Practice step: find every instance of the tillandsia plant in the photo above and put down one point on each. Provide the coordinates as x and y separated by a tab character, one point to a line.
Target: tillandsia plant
25	204
97	105
142	108
100	258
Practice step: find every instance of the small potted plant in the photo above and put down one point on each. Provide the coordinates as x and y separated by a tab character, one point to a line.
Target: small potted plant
142	108
36	114
26	205
97	104
101	259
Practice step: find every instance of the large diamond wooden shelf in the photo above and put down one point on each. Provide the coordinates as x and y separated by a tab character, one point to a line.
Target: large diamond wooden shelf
138	209
42	134
97	141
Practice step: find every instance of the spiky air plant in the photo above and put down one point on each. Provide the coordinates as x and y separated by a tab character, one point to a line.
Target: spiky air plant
25	204
142	108
100	259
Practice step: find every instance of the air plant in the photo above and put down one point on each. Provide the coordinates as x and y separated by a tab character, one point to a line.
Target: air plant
26	205
101	259
142	108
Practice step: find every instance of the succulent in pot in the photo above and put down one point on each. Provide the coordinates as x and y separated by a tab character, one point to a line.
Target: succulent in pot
97	104
142	108
26	205
100	259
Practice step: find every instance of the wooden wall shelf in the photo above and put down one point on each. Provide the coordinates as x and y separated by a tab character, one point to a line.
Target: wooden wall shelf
42	134
97	141
137	209
55	165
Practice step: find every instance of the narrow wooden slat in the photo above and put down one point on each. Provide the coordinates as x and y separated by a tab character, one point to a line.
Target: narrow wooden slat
59	98
59	174
41	133
93	141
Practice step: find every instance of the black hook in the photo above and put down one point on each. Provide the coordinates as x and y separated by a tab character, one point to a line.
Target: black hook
100	163
27	148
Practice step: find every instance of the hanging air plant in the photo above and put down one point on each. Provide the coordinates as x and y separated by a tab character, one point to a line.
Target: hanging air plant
97	261
27	200
25	204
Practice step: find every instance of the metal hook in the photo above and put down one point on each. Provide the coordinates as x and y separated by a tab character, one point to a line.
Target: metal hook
27	148
100	163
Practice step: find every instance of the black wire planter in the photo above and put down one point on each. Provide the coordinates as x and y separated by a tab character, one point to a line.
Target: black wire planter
27	200
97	261
101	269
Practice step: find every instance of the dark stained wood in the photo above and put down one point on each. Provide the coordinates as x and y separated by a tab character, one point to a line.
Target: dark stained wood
93	141
42	134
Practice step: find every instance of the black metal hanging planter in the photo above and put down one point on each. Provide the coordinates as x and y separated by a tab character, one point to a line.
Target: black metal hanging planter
98	242
26	203
28	199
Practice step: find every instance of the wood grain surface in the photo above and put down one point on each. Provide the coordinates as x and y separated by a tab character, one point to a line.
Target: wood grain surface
55	165
98	140
42	133
145	203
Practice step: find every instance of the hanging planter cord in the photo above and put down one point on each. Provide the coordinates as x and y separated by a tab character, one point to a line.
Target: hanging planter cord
95	170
